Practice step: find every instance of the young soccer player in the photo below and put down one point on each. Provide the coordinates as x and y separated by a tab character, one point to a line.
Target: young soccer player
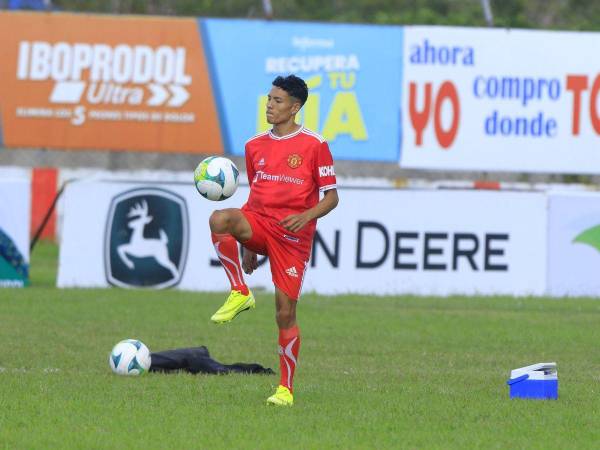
287	167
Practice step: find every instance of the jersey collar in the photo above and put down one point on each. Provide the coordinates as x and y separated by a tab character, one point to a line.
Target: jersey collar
287	136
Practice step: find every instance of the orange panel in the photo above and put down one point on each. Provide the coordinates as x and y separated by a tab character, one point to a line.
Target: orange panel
43	192
487	185
75	81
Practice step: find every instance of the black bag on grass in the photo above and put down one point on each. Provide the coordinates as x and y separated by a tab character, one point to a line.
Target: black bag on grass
197	360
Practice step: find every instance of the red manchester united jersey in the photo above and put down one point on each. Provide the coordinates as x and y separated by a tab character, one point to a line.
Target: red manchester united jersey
287	173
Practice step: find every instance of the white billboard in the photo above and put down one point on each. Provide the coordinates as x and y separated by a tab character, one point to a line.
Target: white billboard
152	235
432	242
15	213
379	241
574	244
501	100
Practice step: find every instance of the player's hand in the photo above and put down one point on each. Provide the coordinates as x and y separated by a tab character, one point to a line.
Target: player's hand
295	222
249	261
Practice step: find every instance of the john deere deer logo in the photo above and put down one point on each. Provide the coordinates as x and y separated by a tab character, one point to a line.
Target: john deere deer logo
146	239
141	246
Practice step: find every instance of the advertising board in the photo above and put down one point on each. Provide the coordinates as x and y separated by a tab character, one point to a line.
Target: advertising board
353	73
574	244
500	100
15	204
74	81
419	242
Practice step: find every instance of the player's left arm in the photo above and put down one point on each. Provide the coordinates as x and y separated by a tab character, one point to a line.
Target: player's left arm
324	176
296	222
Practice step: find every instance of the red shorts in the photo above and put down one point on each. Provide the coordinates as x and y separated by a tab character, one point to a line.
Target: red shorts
287	259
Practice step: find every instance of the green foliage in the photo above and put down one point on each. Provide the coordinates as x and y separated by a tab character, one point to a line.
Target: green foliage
549	14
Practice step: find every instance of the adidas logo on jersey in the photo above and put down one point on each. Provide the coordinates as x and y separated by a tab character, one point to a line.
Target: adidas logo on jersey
261	162
292	272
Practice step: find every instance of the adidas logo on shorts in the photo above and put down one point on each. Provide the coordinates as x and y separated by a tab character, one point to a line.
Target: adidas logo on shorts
292	272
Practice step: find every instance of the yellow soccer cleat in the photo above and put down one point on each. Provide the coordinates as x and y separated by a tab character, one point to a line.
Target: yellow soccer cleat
235	304
281	397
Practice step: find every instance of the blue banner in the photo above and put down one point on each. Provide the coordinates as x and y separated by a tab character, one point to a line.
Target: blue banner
354	75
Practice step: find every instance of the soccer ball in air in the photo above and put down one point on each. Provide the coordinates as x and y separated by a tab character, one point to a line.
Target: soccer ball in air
216	178
129	357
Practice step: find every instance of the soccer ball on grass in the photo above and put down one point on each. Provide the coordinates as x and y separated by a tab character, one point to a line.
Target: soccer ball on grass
129	357
216	178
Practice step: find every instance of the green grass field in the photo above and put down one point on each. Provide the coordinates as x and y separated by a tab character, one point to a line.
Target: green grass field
393	372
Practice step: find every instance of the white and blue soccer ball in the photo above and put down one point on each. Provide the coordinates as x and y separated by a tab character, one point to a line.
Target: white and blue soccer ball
129	357
216	178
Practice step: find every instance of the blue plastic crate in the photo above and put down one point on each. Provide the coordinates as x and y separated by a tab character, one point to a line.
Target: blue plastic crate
538	381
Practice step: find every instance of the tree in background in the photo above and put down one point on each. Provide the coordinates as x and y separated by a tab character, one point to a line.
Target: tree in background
550	14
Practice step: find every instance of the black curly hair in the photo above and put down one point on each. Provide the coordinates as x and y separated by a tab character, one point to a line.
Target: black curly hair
294	86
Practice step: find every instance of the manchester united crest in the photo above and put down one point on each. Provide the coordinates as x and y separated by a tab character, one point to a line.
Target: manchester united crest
294	160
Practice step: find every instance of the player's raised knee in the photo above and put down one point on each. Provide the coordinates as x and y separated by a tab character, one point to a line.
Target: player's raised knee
219	222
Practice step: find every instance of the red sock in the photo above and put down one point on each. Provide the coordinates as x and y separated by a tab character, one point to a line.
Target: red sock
289	347
227	250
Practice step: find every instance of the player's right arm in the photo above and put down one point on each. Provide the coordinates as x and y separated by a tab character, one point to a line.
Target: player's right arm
249	258
249	261
249	166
